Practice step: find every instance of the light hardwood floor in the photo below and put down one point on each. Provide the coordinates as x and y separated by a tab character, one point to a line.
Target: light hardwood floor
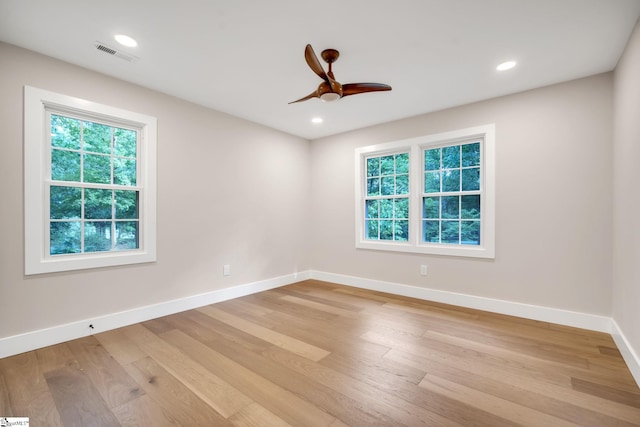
319	354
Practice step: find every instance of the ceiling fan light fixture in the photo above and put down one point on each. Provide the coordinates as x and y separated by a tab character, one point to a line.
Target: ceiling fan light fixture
329	97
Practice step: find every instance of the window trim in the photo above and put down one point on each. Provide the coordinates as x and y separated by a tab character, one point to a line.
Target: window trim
37	102
415	146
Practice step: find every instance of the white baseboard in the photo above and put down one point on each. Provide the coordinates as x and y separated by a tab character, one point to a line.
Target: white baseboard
534	312
630	357
33	340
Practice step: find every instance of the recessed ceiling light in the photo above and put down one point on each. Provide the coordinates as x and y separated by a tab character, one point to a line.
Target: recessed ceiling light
125	40
317	120
506	66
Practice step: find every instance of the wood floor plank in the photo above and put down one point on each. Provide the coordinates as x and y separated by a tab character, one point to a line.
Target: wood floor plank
606	392
291	344
29	394
120	346
334	401
169	393
565	403
206	329
255	415
215	392
55	357
519	414
384	407
77	400
319	306
144	412
107	376
281	402
5	403
313	295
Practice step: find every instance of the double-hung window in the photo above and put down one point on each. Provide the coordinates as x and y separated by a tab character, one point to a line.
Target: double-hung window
89	184
432	194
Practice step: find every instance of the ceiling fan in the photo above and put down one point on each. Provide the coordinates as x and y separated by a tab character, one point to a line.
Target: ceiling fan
331	90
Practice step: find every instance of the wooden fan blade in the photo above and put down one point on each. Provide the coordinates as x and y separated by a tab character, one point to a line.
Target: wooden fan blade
314	63
313	94
356	88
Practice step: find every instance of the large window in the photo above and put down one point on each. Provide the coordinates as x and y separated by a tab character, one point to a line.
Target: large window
89	184
433	194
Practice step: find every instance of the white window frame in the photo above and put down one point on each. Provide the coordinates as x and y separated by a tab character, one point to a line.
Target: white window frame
38	104
415	147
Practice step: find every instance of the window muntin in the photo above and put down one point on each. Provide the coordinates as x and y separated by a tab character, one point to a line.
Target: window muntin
93	197
451	198
89	184
387	197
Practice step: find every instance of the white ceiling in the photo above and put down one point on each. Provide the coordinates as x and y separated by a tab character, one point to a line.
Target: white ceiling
246	57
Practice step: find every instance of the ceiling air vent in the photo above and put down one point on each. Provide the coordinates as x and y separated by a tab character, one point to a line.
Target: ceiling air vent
115	52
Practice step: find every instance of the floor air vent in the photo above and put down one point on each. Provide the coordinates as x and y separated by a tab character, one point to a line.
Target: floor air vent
114	52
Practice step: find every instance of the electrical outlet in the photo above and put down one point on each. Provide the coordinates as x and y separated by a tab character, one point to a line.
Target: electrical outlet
226	270
423	270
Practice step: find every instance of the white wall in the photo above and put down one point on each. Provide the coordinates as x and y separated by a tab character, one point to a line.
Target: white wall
229	192
626	194
553	192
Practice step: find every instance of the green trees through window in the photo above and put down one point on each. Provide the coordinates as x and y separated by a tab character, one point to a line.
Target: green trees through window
93	199
387	201
451	196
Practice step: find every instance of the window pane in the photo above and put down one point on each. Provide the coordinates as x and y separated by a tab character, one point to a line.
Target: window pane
126	204
372	229
402	163
65	202
470	208
450	231
65	165
401	208
97	236
97	138
372	209
124	142
401	230
402	184
471	179
432	159
64	238
451	157
97	169
65	132
431	207
387	165
432	182
471	154
126	235
124	171
470	232
386	230
97	203
388	186
431	231
451	180
386	208
373	166
373	187
451	207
